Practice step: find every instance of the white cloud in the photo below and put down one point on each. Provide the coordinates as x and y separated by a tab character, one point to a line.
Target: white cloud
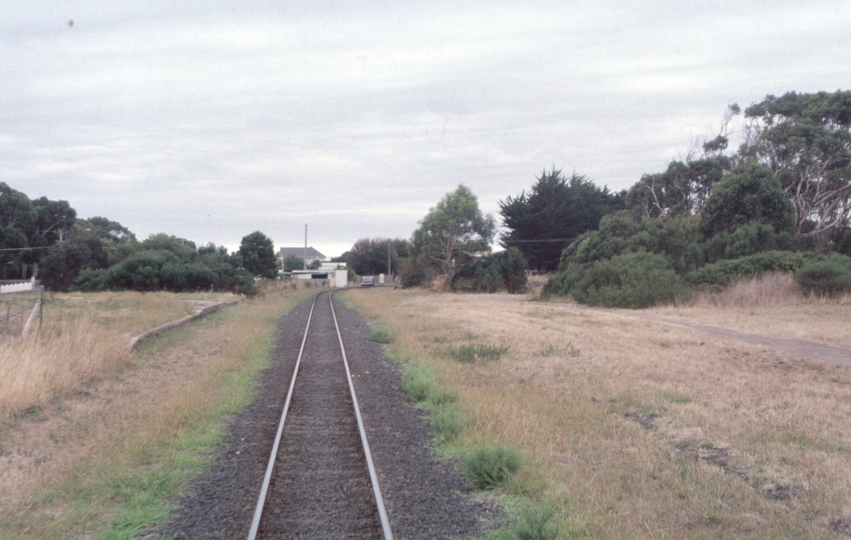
361	116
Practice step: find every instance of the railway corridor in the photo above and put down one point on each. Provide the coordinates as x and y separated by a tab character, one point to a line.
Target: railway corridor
320	487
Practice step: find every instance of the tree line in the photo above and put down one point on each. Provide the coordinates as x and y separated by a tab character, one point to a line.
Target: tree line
45	239
704	221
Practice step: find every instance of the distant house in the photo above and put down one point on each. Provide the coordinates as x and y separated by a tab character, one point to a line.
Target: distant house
312	254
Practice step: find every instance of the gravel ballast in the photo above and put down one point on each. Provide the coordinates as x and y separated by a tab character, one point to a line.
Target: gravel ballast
425	497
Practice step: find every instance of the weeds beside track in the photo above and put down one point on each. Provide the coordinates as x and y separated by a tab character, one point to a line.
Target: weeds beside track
99	461
637	428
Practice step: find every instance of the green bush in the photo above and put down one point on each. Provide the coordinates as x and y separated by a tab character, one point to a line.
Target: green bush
563	282
748	240
843	246
512	268
90	279
725	272
415	272
504	270
634	280
826	278
491	466
749	194
619	234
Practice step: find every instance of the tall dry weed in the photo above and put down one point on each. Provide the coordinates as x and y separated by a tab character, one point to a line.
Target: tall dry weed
772	289
83	336
765	291
39	367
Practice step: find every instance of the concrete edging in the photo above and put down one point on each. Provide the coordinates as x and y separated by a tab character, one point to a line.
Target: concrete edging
179	322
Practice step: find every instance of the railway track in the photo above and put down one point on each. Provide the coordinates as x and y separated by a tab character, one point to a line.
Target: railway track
320	481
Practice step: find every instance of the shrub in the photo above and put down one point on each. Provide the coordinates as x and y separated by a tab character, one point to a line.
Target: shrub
90	279
634	280
64	261
491	466
725	272
536	524
619	234
504	270
750	193
512	267
562	283
826	278
844	244
414	272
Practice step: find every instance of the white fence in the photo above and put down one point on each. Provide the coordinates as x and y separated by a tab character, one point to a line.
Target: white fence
17	287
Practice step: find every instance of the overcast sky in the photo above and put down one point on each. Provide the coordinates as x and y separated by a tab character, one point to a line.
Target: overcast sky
212	119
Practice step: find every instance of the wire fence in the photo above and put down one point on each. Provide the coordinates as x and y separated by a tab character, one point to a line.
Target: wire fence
20	317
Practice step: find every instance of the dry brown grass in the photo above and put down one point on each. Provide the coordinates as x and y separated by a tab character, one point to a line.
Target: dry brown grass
772	305
60	465
639	428
82	335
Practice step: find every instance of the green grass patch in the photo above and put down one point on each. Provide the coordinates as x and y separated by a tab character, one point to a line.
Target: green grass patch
447	421
536	523
533	520
553	350
672	397
491	466
473	353
381	335
176	463
420	382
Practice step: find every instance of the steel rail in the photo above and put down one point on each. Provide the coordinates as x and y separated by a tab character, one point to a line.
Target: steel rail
379	501
264	490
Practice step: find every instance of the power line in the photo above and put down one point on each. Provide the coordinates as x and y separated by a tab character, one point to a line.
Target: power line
24	249
543	240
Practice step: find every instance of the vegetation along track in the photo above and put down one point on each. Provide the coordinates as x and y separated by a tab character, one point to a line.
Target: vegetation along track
320	480
425	497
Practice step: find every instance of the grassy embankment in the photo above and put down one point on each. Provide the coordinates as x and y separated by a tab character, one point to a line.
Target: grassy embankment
93	438
636	427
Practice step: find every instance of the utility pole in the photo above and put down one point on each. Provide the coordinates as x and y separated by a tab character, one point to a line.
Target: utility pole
305	246
388	259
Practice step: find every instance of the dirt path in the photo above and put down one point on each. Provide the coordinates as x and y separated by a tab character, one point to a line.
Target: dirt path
797	348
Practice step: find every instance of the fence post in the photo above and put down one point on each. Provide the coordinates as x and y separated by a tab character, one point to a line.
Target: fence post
36	310
41	308
8	314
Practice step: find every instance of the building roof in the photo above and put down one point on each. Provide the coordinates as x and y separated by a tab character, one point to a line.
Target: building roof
299	252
